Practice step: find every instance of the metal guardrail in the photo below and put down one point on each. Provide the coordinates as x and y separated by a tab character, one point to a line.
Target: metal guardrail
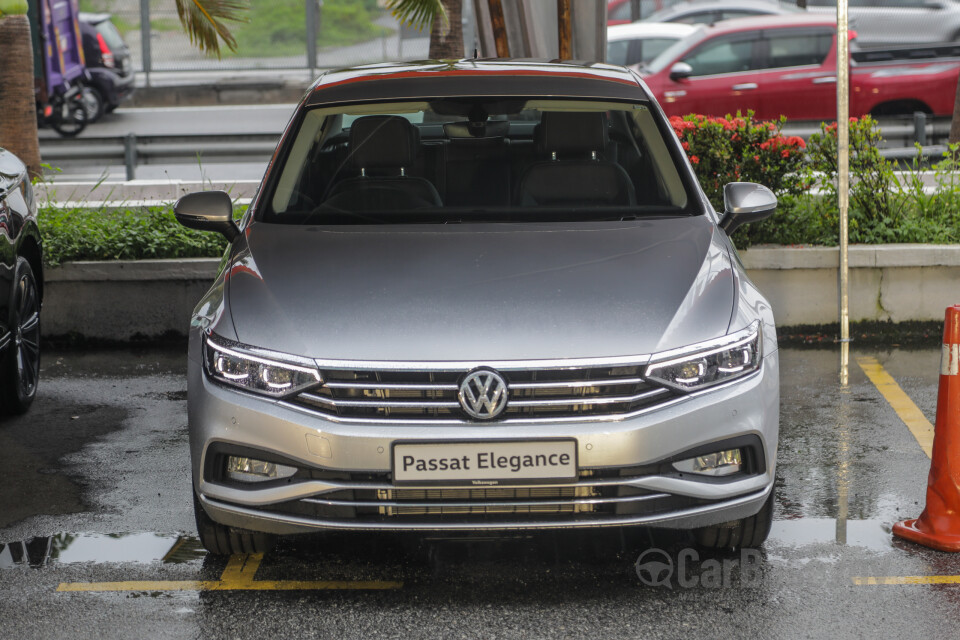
132	150
901	135
897	131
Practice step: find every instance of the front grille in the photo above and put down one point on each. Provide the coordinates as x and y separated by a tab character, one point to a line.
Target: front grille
587	500
474	501
433	395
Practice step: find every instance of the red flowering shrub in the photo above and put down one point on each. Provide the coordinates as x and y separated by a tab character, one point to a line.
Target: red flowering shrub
739	149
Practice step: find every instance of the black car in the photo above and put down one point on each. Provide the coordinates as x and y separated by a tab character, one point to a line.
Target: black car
21	287
108	60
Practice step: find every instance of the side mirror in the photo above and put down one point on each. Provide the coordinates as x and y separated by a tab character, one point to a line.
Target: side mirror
12	171
745	202
207	211
680	71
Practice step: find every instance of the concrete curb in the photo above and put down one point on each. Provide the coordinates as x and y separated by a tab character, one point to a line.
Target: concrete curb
115	193
895	283
124	300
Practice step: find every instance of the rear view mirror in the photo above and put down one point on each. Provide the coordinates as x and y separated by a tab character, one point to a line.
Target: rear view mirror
207	211
745	202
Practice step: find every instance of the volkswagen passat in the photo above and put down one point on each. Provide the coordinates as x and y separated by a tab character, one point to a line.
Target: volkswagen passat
485	295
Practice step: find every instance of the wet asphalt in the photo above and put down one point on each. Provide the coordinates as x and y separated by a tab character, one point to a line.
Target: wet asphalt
95	487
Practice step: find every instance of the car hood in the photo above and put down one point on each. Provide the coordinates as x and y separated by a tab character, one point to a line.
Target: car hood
481	292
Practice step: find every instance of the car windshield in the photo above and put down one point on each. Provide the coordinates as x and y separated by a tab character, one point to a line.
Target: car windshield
673	52
478	159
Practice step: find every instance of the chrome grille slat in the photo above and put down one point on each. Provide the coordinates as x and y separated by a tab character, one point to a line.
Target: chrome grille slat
586	401
575	384
485	503
425	404
338	384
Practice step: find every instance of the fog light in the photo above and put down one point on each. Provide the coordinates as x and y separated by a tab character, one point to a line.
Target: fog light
252	470
721	463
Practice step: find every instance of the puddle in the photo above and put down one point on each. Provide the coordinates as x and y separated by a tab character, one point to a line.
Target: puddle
68	548
869	534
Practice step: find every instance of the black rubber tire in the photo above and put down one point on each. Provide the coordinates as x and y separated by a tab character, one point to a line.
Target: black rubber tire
747	533
72	120
20	364
93	100
110	108
222	540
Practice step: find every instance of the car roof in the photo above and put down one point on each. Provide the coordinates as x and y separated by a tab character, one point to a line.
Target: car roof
649	30
754	23
476	77
712	5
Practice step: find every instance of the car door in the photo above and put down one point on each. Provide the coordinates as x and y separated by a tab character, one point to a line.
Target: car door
722	81
7	256
799	79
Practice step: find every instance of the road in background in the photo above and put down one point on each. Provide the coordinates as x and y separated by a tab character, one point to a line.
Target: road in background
236	120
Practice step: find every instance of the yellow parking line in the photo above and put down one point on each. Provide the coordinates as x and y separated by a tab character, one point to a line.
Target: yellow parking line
918	424
141	585
237	576
907	580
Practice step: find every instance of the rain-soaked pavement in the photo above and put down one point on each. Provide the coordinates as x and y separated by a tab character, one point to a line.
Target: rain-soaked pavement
95	488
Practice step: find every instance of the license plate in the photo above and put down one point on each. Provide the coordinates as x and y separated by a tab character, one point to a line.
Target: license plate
485	463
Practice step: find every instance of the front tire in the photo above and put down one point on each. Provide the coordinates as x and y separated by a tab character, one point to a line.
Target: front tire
71	119
20	365
222	540
746	533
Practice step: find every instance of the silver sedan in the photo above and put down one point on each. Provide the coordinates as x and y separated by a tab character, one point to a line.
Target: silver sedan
481	296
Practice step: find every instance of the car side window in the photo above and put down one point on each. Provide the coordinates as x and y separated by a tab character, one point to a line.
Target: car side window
705	17
799	50
650	49
617	52
730	14
722	56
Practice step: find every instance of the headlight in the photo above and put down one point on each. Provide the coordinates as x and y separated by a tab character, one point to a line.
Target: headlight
251	369
715	362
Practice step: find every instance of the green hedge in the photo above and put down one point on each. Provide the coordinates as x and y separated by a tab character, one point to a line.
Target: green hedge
123	234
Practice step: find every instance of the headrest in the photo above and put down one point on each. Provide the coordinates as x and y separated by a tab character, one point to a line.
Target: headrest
572	132
378	142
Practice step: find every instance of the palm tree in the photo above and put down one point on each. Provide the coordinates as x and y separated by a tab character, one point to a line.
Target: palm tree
203	20
443	18
18	111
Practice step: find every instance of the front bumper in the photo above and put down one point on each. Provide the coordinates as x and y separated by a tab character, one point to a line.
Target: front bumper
345	480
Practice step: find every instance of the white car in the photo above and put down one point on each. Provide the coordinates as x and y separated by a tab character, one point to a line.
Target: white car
641	42
893	22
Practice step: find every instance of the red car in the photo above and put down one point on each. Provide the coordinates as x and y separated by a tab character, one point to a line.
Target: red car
786	65
620	11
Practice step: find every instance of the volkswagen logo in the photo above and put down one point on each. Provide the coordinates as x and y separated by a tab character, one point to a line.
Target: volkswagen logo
483	394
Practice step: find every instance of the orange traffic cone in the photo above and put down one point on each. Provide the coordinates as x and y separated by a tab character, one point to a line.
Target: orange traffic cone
938	526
